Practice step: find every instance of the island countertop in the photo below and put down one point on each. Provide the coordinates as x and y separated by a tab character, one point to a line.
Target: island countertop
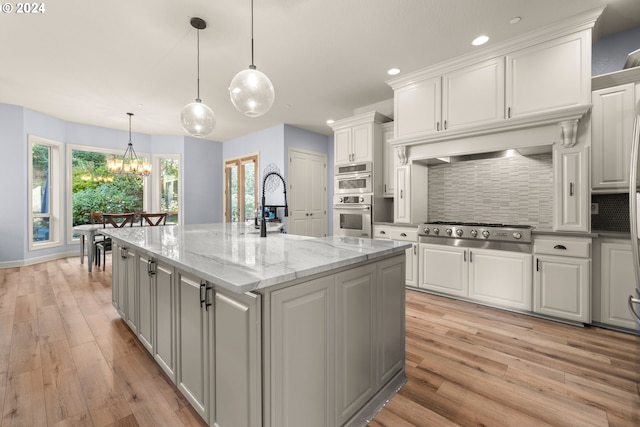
235	257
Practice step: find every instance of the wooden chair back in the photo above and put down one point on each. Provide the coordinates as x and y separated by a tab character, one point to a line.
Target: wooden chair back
153	219
95	217
117	220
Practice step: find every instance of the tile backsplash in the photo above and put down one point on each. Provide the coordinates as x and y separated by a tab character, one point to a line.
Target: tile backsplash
613	212
508	190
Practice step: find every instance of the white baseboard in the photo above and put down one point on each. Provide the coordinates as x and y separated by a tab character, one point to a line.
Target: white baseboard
38	260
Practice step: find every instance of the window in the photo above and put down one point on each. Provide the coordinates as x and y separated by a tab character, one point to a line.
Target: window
241	189
45	193
94	189
166	186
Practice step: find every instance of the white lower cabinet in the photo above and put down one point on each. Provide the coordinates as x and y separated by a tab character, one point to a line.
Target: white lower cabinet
495	277
340	358
146	301
403	234
562	285
501	278
195	323
444	269
616	283
124	284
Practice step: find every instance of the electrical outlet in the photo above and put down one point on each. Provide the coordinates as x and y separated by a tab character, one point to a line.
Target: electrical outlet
594	208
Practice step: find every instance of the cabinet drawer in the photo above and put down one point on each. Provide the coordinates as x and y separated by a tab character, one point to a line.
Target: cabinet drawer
563	246
405	235
381	232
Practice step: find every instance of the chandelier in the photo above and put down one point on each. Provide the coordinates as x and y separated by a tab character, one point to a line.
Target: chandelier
250	90
129	163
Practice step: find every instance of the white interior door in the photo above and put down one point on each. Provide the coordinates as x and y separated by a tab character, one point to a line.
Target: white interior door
308	193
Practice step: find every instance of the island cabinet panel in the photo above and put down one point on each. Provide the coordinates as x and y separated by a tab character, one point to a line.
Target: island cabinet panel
164	319
131	290
194	319
390	316
616	284
146	306
119	277
302	337
237	397
356	369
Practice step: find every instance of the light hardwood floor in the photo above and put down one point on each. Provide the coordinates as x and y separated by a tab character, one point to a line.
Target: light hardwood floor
67	359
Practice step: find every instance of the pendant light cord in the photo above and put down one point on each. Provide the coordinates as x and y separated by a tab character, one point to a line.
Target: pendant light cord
198	61
252	66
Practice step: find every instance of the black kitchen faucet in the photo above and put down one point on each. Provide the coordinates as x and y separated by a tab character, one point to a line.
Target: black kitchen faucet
263	225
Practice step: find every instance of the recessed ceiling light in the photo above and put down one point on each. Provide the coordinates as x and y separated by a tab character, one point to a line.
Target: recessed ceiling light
480	40
393	71
515	20
330	121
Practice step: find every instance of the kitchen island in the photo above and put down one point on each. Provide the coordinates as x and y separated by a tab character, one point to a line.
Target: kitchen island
278	331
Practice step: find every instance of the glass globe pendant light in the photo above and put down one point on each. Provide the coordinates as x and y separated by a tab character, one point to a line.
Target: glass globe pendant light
250	90
197	118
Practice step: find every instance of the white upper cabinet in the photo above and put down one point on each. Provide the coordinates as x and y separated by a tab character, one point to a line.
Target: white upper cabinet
473	95
611	129
358	138
417	108
389	160
532	80
549	75
571	189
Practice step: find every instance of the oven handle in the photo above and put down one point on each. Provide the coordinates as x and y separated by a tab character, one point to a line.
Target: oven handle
353	175
353	208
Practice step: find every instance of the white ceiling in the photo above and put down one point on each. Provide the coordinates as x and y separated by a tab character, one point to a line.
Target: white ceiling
92	62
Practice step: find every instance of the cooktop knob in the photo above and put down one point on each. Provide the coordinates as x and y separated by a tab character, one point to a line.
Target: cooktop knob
517	235
474	233
436	231
449	231
459	232
485	234
426	230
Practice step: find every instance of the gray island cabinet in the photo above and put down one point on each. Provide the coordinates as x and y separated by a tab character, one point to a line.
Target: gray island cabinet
278	331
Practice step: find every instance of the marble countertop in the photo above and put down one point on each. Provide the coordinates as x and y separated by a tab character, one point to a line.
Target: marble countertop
236	258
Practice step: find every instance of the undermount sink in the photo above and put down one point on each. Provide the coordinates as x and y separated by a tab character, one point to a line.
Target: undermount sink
272	227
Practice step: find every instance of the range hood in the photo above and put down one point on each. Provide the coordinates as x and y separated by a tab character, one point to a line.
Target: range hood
522	151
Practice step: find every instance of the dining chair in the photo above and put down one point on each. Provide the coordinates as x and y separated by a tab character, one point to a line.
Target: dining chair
153	219
95	218
116	221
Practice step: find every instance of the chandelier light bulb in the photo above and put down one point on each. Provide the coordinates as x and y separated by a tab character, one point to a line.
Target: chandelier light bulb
252	92
198	119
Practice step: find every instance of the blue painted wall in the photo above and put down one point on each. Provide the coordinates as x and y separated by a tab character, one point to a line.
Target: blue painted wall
202	181
610	53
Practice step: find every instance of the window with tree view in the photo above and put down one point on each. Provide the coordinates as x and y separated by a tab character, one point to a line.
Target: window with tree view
170	188
94	189
40	195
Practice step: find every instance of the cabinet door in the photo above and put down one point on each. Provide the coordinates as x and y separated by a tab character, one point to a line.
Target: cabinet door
389	161
612	127
302	354
562	287
145	302
356	344
411	273
501	278
342	142
390	315
444	269
571	206
164	324
362	136
401	205
617	283
238	362
418	108
549	75
131	307
193	342
473	95
117	295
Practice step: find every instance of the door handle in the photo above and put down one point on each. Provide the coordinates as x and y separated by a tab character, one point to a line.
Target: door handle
415	248
571	189
445	124
509	112
437	126
206	297
403	234
470	256
203	285
537	264
401	194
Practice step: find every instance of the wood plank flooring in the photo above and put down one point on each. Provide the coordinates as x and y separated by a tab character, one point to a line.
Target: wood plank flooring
471	365
67	359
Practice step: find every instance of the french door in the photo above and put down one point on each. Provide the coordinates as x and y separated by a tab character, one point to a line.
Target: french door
241	189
